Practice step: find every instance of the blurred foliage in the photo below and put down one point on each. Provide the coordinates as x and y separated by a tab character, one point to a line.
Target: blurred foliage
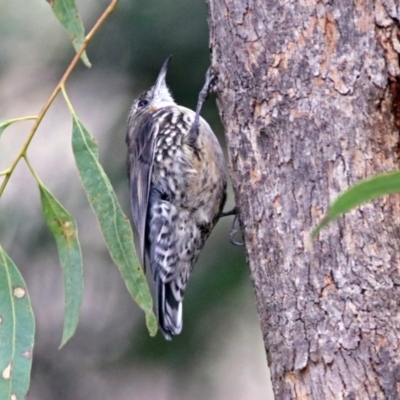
366	190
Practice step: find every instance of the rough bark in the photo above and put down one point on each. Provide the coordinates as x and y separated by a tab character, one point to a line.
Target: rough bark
309	94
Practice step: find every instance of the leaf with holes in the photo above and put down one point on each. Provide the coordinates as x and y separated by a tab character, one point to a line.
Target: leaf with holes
17	331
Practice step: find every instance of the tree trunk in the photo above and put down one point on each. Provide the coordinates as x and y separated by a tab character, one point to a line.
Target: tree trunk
309	94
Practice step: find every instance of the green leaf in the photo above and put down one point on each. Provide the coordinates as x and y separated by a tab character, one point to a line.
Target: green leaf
64	229
362	192
8	122
17	331
67	13
114	224
5	124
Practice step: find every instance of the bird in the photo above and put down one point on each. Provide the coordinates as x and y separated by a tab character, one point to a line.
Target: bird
177	181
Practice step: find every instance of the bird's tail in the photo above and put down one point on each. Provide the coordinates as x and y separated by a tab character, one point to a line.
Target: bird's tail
169	310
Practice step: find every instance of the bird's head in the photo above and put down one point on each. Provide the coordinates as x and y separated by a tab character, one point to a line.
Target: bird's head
157	96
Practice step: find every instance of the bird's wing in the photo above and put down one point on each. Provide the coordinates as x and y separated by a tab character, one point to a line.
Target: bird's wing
140	139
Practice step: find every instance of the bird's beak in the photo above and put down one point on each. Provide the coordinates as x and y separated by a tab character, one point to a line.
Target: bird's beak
160	82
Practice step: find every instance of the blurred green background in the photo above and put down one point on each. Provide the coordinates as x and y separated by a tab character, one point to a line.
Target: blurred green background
220	353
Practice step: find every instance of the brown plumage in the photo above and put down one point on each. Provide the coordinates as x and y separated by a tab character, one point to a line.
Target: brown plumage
178	189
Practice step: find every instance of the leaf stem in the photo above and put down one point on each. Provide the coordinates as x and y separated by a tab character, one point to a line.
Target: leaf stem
33	171
67	100
26	118
67	73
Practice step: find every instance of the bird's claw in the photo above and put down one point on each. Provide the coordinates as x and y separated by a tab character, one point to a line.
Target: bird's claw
209	84
203	95
235	225
234	230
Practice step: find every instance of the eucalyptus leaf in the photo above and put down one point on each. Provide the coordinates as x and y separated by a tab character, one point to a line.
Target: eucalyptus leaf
378	186
64	229
67	13
17	331
5	124
114	224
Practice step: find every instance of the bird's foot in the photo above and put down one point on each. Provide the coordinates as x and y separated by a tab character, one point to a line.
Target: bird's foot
235	226
203	95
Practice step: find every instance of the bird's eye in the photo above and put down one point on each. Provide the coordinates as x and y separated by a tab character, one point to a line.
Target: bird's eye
143	103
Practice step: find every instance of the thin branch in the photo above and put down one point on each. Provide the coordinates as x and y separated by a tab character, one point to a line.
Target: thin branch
64	78
5	172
